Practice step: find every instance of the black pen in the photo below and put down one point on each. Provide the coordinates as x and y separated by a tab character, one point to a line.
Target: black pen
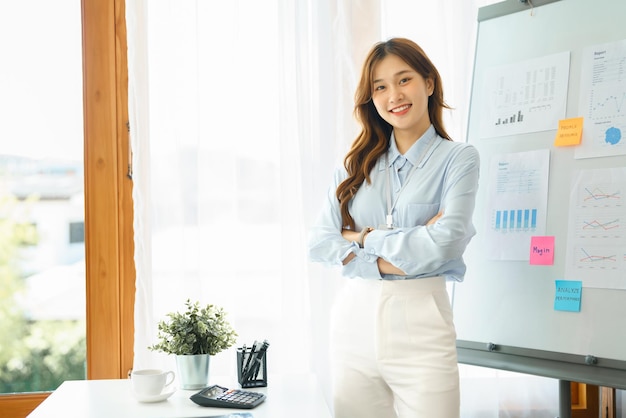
246	368
259	359
243	357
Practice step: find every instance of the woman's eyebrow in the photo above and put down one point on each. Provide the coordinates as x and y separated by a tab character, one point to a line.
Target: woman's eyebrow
399	73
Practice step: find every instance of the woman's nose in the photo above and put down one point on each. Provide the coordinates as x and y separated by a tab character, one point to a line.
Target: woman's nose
395	95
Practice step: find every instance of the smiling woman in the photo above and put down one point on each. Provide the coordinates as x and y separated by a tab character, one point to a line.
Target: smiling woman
401	99
394	310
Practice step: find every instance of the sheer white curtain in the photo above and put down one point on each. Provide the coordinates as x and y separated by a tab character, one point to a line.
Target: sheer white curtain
217	183
239	112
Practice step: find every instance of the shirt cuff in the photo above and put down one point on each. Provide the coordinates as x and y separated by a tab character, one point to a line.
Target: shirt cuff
364	265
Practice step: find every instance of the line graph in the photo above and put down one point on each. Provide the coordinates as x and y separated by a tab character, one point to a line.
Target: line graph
598	194
605	226
595	195
597	258
606	105
596	244
602	101
599	226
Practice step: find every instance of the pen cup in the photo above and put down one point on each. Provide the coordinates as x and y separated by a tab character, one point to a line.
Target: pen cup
251	368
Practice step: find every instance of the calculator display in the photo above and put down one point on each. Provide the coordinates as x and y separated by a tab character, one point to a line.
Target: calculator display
213	391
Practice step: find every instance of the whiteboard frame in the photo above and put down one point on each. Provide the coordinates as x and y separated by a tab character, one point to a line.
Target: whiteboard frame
584	368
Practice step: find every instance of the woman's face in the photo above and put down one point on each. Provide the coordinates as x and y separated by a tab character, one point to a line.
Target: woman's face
400	95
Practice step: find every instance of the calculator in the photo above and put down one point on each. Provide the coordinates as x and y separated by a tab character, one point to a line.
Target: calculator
221	397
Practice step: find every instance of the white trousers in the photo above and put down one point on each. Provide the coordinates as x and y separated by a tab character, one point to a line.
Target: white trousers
393	350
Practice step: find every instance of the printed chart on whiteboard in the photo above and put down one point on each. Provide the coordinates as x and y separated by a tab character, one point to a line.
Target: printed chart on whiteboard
528	96
603	101
517	203
596	251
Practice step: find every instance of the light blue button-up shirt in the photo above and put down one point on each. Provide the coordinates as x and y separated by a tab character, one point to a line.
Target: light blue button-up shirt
445	178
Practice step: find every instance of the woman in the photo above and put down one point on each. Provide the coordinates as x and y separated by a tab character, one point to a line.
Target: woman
397	220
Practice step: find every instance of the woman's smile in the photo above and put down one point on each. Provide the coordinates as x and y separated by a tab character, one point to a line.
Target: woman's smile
400	110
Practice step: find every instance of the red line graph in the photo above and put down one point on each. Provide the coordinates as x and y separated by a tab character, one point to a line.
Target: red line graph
589	258
598	194
606	226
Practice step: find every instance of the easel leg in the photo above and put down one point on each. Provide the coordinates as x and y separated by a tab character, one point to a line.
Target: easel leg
565	399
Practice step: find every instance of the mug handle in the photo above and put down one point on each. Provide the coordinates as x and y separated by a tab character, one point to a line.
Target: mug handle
171	377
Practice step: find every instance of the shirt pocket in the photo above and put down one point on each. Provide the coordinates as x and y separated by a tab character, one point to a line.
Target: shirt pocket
419	213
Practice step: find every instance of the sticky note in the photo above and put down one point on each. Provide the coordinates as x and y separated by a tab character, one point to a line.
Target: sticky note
542	250
570	132
568	295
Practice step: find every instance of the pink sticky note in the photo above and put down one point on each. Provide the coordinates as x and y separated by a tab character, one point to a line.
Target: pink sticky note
542	251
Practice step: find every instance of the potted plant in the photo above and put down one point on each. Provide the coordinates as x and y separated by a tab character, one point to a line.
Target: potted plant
193	336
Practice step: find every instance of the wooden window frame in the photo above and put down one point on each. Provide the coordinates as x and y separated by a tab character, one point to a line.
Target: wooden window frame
110	269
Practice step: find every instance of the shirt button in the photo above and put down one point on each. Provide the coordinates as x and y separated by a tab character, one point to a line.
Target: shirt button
371	251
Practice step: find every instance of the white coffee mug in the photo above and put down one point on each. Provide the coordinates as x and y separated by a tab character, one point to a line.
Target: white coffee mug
150	382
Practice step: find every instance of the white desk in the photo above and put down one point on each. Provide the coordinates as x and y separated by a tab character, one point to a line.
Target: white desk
287	396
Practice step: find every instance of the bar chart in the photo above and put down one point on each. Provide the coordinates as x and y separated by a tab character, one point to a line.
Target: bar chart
526	96
515	117
515	220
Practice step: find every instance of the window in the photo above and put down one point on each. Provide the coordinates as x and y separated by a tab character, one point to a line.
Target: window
41	186
108	214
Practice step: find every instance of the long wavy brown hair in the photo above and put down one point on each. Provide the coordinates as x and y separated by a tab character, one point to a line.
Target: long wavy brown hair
373	141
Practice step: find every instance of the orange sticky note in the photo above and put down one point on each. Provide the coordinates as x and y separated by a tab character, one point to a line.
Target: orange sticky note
570	132
542	250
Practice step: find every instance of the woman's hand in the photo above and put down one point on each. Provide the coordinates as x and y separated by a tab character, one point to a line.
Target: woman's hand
350	235
434	218
384	266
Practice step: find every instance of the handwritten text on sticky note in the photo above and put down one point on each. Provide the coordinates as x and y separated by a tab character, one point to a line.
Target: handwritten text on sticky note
568	295
569	133
542	250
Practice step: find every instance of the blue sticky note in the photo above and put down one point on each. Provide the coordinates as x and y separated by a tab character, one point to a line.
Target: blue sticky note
568	295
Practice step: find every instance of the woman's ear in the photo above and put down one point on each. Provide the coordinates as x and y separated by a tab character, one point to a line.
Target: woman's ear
430	86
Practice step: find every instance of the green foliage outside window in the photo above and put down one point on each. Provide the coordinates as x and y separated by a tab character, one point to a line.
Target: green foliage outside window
50	353
34	356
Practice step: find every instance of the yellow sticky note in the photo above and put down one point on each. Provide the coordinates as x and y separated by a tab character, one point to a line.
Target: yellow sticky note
570	132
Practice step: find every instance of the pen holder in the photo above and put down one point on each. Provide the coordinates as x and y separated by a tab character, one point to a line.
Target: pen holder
251	368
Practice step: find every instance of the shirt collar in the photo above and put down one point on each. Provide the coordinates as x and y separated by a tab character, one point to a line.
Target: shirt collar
414	153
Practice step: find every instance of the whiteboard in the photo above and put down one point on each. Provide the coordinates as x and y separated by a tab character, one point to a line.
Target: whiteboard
510	303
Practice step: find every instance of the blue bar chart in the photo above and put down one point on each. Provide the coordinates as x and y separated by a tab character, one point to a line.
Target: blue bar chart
515	220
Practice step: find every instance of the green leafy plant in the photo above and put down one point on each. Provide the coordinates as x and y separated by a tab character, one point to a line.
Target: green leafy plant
196	331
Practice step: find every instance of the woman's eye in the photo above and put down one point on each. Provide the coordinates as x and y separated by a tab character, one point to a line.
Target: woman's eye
405	80
379	88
